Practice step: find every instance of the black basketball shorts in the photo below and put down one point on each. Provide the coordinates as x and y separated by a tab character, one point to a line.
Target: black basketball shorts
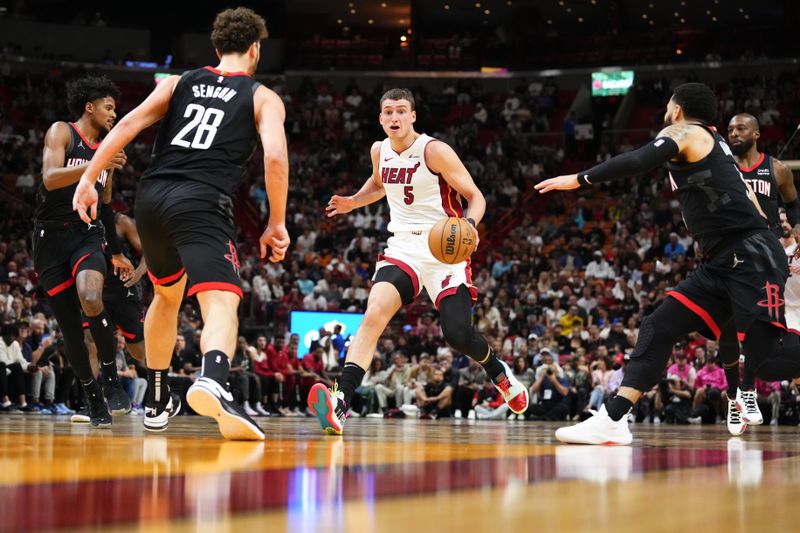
62	249
187	226
745	282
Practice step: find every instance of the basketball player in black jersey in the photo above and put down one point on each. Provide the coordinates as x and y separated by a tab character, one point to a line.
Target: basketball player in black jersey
213	118
742	279
68	253
773	184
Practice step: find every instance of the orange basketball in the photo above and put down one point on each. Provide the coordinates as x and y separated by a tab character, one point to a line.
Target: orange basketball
452	240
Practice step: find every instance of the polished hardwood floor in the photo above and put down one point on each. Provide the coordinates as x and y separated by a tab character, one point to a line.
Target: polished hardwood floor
392	475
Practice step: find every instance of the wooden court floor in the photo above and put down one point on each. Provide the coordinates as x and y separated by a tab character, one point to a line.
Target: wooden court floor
392	476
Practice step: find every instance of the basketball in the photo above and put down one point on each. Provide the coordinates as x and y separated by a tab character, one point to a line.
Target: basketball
452	240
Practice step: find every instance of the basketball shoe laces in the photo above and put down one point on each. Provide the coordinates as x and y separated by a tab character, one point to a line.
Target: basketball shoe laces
736	416
339	409
749	398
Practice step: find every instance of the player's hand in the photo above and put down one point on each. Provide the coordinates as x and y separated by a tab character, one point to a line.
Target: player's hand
118	161
122	265
475	236
85	199
561	183
277	238
339	205
132	278
794	269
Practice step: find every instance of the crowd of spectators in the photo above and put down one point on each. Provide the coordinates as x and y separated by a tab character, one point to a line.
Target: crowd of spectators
564	281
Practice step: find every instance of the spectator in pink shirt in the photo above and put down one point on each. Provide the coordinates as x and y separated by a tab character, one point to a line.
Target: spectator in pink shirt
769	393
710	383
683	370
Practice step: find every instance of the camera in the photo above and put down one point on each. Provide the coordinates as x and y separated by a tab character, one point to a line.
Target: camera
549	371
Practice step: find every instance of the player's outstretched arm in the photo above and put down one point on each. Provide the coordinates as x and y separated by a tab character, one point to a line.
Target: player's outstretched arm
143	116
443	160
270	115
670	142
369	193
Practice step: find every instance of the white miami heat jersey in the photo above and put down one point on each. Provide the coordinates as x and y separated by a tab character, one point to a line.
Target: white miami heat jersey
417	197
791	293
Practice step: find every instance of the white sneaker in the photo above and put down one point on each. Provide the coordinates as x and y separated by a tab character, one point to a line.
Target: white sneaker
747	403
260	410
656	420
471	415
598	429
736	425
249	410
696	420
457	414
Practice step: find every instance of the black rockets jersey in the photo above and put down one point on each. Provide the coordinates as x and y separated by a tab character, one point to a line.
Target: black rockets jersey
713	198
761	178
209	132
56	205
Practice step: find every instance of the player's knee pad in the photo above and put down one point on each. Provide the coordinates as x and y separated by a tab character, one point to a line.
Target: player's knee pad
401	281
456	320
729	346
649	357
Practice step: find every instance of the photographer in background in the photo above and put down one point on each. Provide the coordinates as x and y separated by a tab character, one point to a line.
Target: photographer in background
552	390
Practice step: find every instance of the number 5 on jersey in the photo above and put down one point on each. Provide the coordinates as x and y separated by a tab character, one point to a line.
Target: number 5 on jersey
408	194
206	120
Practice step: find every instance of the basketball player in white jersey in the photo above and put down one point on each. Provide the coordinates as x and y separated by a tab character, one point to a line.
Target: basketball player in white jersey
791	294
424	181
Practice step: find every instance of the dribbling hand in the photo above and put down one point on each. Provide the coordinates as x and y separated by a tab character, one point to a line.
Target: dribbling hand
560	183
122	266
277	238
339	205
85	199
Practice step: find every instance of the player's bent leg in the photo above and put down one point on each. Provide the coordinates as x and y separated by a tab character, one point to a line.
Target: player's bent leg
66	307
657	334
160	334
456	320
330	405
89	282
209	396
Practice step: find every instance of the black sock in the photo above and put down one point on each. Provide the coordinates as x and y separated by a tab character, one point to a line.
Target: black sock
92	390
216	366
732	375
103	334
492	366
352	374
748	378
618	406
157	386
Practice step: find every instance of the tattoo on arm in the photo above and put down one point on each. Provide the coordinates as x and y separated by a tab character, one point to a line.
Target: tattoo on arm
676	132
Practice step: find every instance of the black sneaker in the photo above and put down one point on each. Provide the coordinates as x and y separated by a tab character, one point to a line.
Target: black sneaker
174	405
118	401
208	398
81	417
156	415
99	416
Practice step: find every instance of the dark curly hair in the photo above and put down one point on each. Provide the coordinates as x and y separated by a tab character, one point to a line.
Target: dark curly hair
236	29
697	100
89	89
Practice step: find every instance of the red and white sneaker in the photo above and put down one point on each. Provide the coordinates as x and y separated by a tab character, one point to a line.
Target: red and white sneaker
514	393
747	403
598	429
